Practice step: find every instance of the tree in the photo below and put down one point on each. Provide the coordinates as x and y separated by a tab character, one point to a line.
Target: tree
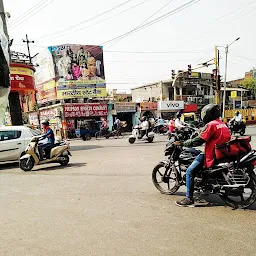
250	84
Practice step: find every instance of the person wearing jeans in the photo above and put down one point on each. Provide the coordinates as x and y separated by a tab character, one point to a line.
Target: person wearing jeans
215	133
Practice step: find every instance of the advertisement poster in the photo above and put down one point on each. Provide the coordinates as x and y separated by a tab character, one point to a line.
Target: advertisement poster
45	69
79	71
46	92
85	110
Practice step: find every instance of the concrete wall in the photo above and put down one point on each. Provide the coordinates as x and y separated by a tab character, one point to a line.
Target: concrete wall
144	93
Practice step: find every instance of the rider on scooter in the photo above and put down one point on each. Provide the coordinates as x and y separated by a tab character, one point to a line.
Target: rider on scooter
144	126
49	134
215	133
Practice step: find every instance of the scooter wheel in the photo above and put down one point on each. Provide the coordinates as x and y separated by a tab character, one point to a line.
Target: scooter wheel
27	164
131	140
150	140
65	162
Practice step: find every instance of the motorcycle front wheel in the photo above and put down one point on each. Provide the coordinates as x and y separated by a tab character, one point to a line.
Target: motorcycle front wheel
27	164
166	181
65	162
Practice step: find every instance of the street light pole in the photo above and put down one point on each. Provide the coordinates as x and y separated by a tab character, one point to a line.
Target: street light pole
225	82
225	78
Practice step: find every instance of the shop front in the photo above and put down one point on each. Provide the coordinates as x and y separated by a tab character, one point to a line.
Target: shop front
168	109
125	111
148	109
22	95
84	116
55	117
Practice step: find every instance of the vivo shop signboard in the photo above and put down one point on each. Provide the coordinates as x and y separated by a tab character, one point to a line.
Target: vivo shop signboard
170	105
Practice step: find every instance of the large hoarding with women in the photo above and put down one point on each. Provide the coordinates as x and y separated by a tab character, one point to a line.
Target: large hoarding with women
79	71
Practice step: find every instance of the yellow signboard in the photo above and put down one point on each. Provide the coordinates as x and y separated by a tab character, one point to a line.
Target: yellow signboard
49	85
81	93
21	71
233	94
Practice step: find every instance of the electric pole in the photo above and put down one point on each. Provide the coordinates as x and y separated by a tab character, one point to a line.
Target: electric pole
216	62
29	42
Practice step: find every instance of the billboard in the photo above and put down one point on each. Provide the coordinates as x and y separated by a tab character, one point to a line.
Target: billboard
79	71
46	92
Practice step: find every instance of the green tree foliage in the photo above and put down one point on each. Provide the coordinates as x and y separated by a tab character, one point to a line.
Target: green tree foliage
250	84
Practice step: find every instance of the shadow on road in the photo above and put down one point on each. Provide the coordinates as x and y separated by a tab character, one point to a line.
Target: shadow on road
58	167
212	201
8	166
84	147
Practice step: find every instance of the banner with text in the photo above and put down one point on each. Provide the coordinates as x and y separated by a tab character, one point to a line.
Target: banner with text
85	110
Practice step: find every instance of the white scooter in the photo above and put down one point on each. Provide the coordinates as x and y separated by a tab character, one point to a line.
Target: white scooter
136	135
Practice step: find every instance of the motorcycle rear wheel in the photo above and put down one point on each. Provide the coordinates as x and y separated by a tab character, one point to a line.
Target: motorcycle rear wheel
242	203
165	179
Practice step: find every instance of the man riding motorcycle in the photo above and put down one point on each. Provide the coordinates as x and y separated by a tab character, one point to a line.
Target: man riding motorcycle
49	134
178	123
237	118
214	133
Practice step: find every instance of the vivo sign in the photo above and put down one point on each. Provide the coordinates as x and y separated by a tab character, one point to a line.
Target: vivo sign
170	105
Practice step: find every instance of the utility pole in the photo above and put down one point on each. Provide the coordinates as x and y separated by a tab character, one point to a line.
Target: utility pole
225	77
216	62
29	42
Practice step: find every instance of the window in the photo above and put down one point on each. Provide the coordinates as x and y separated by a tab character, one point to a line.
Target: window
9	135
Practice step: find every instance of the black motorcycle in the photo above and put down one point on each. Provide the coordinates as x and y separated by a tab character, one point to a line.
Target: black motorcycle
234	181
237	127
184	133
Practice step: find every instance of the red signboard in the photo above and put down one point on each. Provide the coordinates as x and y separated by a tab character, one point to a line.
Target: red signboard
190	108
85	110
148	105
22	78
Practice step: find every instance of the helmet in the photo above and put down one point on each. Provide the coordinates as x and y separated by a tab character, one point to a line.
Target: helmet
178	115
45	122
210	112
237	113
143	119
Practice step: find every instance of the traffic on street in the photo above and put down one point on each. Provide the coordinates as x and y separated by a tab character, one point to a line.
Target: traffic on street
105	201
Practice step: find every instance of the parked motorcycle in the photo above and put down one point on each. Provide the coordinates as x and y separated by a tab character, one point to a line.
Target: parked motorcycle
233	179
237	127
136	135
58	153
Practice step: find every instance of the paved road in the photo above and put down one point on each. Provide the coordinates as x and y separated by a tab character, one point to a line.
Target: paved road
104	203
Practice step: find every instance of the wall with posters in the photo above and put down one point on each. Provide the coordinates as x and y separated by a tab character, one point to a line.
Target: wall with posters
79	71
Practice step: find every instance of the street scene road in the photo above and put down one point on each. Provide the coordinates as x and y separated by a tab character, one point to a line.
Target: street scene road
104	203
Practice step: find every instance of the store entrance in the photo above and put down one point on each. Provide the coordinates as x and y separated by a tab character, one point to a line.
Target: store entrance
127	117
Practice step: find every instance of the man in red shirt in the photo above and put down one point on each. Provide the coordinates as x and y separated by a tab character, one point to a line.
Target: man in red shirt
215	133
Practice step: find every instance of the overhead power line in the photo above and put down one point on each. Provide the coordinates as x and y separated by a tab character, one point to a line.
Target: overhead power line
34	13
150	23
56	35
27	12
148	18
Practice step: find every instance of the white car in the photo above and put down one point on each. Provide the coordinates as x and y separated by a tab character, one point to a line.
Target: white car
13	141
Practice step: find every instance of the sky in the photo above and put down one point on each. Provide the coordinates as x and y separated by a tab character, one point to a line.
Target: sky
182	37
